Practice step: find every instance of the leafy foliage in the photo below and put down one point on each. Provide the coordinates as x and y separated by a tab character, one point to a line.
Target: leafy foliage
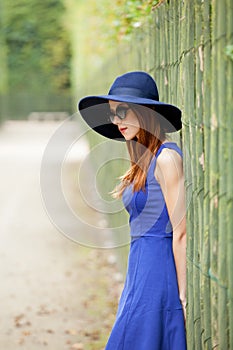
96	28
37	44
125	16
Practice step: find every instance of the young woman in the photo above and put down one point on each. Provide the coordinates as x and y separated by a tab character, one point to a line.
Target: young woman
151	312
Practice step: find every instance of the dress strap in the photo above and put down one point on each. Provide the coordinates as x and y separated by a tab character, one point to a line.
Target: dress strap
171	145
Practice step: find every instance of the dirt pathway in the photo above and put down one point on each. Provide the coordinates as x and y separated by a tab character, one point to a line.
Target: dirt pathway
55	294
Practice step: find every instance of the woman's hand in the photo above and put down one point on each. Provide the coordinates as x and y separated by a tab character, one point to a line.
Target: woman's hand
184	304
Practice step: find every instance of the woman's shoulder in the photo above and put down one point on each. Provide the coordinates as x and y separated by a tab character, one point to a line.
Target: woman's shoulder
169	162
169	156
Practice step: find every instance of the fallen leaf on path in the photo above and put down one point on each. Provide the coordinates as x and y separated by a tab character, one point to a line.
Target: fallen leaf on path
20	321
77	346
19	317
26	333
21	341
94	335
71	331
50	331
44	310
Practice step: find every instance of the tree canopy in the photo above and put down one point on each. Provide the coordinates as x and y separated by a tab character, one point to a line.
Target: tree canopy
38	48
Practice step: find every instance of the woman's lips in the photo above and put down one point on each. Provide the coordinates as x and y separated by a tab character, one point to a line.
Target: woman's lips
122	130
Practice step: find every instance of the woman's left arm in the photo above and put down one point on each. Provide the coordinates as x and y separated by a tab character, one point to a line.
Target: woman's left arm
169	173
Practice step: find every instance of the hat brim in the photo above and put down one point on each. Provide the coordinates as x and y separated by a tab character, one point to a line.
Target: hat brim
93	110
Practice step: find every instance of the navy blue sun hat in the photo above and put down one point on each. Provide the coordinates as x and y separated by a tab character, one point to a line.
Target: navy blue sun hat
135	88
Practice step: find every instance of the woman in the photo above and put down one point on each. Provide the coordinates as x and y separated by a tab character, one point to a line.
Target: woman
151	312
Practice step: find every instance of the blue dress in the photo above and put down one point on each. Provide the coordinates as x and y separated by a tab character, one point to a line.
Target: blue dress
149	315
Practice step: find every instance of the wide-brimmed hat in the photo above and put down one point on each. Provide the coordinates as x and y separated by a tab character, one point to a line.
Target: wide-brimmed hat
135	88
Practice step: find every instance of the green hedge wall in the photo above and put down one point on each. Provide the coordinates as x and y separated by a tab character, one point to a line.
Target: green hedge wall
187	47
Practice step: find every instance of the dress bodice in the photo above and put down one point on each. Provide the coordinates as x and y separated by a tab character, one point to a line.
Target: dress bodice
147	209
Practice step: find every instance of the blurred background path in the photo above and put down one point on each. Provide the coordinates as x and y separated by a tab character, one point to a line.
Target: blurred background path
55	294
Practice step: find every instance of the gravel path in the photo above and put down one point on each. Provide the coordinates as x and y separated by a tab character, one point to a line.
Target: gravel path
55	294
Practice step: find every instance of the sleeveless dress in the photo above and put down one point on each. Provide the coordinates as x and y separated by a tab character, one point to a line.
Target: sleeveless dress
150	315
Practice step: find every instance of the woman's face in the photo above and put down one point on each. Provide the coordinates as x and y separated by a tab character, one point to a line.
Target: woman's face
129	126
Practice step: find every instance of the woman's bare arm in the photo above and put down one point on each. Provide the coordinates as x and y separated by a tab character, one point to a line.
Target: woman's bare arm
169	173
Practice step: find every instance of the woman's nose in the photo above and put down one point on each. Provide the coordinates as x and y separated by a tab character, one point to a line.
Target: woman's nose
116	120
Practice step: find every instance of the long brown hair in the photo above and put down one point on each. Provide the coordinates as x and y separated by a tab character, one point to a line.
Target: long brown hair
142	149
